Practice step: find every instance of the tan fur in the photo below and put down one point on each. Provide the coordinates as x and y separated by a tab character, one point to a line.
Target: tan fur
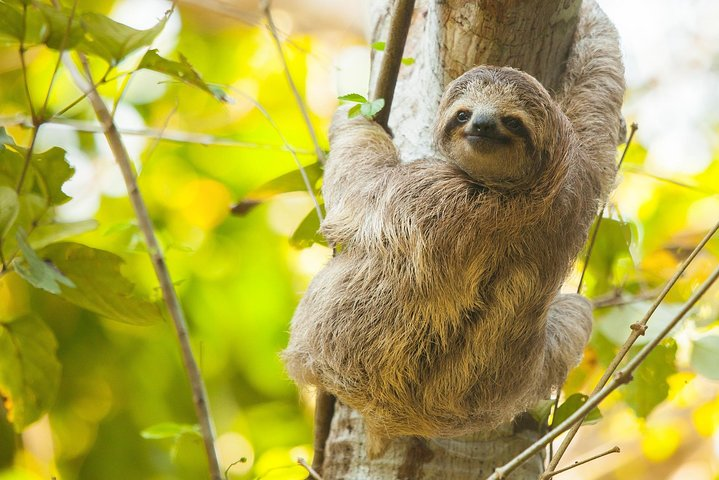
441	313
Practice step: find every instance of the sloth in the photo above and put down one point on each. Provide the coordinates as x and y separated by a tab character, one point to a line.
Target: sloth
441	315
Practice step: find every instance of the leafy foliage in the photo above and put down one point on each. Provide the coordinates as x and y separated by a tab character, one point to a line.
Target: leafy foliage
29	370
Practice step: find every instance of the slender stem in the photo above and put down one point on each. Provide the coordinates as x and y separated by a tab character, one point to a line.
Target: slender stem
303	173
582	462
28	158
298	98
392	60
63	44
634	128
622	377
199	394
313	473
159	133
638	329
21	50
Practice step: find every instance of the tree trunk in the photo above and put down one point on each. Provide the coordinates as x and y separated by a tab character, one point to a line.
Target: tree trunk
447	38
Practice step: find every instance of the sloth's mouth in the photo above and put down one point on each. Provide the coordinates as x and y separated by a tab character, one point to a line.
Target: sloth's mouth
488	138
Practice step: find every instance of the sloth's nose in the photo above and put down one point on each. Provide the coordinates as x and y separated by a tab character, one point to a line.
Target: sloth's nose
483	124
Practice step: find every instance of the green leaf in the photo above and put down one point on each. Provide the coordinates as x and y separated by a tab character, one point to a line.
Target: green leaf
57	35
37	272
29	370
169	430
353	97
649	386
407	61
307	233
354	111
9	208
289	182
541	411
53	171
611	247
11	21
101	287
182	71
616	323
49	233
369	110
379	46
113	41
705	356
5	139
571	405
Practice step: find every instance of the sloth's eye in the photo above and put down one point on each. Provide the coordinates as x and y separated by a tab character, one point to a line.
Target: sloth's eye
514	124
463	116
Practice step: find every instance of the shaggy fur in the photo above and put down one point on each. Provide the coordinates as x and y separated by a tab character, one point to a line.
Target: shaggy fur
441	313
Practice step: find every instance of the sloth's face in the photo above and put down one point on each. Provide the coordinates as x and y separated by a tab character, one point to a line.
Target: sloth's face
488	123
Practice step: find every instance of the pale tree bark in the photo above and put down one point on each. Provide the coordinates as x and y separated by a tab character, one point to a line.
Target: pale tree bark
447	38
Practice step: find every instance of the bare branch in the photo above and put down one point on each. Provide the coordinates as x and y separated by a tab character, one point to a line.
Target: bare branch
313	473
122	158
387	79
158	133
622	377
614	449
265	4
635	334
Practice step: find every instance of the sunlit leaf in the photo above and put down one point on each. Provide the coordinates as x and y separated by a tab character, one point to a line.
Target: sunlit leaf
289	182
29	370
649	386
169	430
53	232
705	356
62	31
571	405
379	46
113	41
354	111
182	71
36	271
372	108
101	287
353	97
9	208
541	411
307	233
11	21
408	61
611	246
53	171
616	323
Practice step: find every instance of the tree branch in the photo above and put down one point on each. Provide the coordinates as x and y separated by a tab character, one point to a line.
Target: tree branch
581	462
265	5
122	158
638	329
392	60
622	377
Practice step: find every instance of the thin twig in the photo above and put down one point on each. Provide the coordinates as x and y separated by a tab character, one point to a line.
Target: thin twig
638	329
392	60
265	5
311	471
303	173
622	377
63	44
159	133
199	395
634	128
21	50
581	462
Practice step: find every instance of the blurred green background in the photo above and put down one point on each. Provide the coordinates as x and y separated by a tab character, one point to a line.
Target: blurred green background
239	278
